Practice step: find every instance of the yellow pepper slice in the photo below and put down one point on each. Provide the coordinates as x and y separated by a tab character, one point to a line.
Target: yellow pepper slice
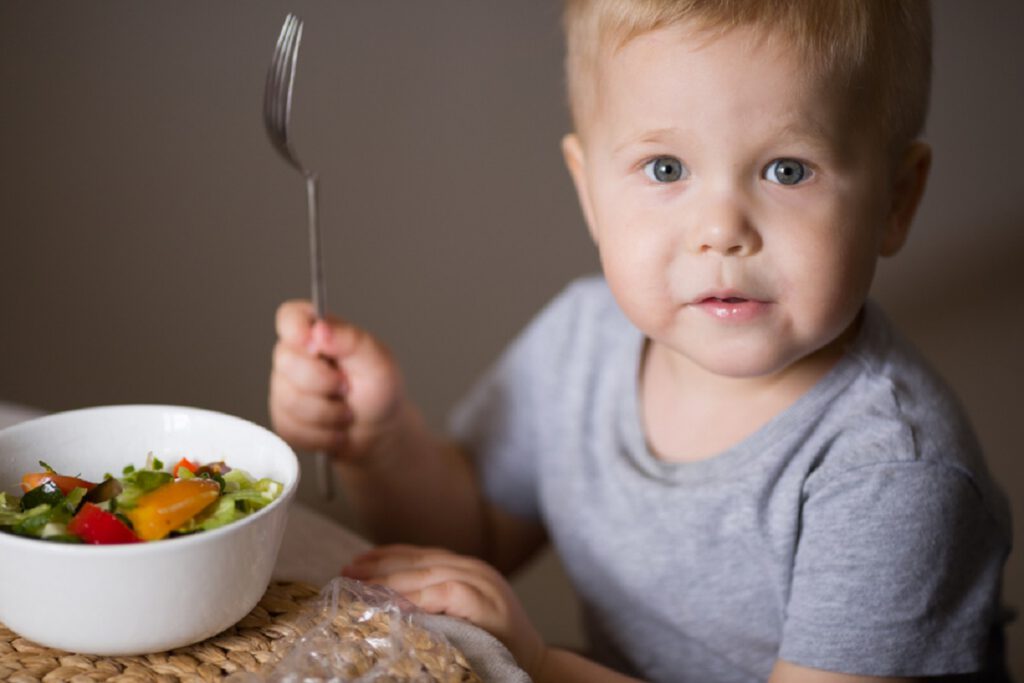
163	510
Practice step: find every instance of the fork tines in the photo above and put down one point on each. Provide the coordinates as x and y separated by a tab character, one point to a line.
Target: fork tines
277	96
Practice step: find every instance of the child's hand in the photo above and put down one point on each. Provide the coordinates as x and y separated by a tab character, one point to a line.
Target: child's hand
441	582
333	386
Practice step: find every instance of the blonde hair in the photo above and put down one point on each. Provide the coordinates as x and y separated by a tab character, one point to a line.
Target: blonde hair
878	50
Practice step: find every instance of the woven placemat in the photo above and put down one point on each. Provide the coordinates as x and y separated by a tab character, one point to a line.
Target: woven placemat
261	638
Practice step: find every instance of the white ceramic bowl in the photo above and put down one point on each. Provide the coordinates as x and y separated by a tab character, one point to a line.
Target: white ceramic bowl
142	597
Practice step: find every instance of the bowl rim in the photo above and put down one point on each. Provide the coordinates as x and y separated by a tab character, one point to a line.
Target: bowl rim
83	550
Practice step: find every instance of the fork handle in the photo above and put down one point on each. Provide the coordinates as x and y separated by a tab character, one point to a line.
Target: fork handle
325	473
324	468
316	264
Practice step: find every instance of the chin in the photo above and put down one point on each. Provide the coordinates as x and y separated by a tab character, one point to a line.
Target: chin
745	364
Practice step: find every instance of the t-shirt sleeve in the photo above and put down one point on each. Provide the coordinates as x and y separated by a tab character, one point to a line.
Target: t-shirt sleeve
897	572
499	420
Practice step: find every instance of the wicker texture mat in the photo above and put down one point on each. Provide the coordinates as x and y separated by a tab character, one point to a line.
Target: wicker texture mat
260	638
245	646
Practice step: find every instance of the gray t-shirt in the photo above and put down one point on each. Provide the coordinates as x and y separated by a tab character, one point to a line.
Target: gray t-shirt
858	531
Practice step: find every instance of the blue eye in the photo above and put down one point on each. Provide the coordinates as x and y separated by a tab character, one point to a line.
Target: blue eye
665	170
786	171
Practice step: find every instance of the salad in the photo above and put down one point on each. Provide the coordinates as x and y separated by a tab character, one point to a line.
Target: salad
145	504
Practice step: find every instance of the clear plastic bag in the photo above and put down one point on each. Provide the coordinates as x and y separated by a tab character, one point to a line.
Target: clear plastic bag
366	634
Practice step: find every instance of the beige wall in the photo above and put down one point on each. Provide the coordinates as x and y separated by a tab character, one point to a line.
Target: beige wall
148	231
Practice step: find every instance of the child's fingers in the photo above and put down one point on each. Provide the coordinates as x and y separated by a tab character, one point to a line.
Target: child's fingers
389	559
419	579
447	589
309	408
293	321
339	340
297	325
308	373
455	598
442	582
291	404
307	436
396	549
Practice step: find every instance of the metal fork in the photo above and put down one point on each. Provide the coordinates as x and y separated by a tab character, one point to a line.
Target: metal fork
277	110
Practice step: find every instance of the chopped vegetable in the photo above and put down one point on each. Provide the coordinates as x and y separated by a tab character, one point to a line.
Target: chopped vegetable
10	510
104	491
186	464
214	469
97	526
144	504
138	484
34	480
47	493
163	510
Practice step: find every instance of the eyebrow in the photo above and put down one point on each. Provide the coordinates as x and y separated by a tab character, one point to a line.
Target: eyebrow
808	131
647	137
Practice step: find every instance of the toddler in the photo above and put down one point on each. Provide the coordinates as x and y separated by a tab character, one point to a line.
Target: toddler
746	472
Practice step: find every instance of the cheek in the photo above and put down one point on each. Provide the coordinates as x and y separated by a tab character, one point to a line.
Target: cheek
831	272
637	262
635	278
632	244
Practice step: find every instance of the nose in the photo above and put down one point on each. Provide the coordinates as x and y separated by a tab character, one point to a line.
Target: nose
722	225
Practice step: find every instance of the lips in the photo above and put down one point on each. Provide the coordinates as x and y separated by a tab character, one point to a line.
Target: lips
732	296
728	299
730	306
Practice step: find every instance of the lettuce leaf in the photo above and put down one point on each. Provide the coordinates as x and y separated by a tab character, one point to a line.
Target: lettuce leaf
10	510
242	496
137	483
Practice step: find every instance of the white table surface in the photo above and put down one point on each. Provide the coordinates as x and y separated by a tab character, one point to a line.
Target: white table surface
315	547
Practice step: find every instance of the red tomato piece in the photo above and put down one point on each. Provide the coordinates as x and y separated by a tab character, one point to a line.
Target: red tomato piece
65	484
187	464
94	525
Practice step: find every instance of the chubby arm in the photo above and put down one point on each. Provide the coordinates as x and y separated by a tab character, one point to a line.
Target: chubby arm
336	387
422	490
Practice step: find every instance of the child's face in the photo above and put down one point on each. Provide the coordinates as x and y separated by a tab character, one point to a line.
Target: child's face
737	209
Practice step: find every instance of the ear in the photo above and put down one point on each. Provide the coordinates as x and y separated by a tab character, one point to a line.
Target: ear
907	189
575	161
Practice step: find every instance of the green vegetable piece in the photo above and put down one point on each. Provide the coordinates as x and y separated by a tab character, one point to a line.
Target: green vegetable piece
46	493
47	467
9	519
139	483
33	521
63	538
147	480
74	499
10	510
215	477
